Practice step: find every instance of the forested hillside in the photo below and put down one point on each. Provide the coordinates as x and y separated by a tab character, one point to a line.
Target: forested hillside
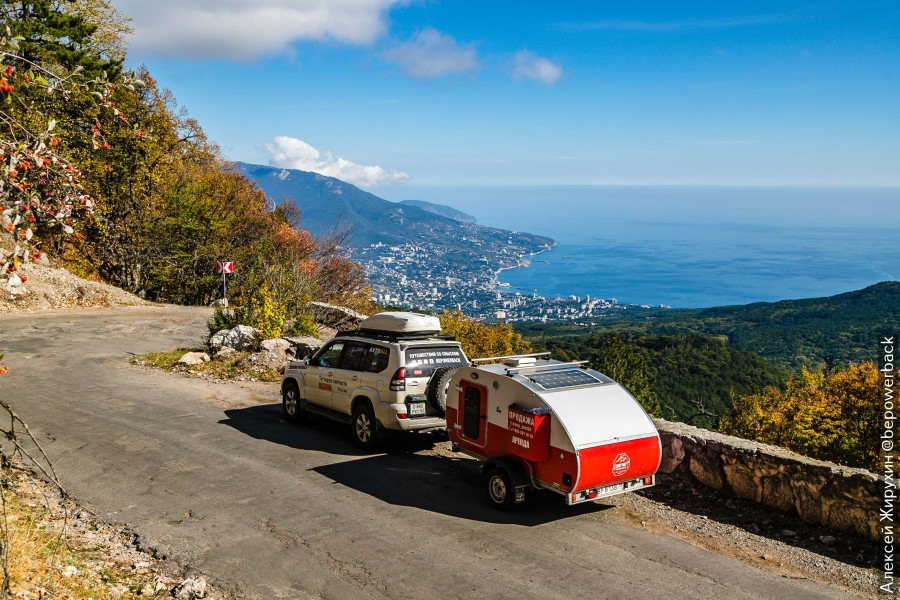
808	333
688	378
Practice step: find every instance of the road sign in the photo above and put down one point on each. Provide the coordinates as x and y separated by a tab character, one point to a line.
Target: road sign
225	267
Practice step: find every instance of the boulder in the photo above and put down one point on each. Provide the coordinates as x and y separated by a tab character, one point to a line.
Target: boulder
189	589
14	285
276	347
225	352
193	358
335	316
275	353
303	346
239	337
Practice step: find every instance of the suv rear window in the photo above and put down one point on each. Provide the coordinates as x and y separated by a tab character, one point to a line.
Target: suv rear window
421	361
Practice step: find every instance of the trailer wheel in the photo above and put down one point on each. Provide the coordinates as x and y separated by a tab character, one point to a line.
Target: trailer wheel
436	392
291	403
500	491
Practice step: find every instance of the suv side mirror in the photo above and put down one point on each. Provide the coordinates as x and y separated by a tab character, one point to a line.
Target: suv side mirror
306	360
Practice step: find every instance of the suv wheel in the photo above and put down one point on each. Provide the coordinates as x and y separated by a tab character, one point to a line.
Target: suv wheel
364	427
436	392
291	403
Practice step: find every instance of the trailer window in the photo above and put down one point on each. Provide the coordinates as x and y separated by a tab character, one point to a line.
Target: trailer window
472	413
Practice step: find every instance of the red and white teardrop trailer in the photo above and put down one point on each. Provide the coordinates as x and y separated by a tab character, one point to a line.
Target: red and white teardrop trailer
546	424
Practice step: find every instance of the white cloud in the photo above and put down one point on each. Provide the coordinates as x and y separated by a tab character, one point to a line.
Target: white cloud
529	65
290	153
242	30
433	54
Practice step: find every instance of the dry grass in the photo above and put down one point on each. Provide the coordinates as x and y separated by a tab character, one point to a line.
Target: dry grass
53	556
234	367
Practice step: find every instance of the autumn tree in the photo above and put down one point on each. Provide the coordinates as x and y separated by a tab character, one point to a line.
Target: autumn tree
153	202
829	415
45	69
482	340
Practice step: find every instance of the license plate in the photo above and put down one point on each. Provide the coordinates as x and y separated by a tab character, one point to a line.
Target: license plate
606	489
416	409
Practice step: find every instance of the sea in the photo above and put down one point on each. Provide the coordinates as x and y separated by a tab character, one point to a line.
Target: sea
685	246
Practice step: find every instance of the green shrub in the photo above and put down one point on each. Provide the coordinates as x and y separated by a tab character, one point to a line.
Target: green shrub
304	325
226	319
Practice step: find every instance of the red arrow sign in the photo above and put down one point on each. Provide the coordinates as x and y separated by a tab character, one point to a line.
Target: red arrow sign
225	267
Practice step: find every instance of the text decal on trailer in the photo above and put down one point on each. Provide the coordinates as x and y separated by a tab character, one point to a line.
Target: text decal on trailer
621	464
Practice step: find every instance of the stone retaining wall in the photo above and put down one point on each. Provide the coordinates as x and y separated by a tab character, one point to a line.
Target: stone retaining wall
819	492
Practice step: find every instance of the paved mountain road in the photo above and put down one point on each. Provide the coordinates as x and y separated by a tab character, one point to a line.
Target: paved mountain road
210	476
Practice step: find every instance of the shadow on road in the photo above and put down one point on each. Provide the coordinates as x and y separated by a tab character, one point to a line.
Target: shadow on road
440	484
266	422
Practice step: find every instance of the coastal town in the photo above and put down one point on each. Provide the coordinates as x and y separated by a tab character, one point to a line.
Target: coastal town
420	276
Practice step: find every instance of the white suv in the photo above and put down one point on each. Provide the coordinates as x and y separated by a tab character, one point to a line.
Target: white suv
390	375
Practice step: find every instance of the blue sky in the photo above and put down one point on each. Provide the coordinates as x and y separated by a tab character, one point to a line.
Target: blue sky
388	93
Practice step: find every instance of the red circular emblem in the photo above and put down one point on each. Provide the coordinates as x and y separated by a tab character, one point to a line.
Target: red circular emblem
621	464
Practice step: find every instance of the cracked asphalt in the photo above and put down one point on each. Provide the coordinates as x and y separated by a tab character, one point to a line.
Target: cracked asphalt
210	476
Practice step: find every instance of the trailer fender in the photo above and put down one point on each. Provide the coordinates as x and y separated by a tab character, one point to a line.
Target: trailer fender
517	475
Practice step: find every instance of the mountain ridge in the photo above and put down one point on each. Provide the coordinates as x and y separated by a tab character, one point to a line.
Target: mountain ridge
327	202
441	209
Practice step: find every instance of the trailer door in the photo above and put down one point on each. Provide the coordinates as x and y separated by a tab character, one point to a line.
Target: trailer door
473	412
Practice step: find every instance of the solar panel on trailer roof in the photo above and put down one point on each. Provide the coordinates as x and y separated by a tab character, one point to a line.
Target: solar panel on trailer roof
563	378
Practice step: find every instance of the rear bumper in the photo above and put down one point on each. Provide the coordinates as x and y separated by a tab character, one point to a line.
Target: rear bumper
618	462
390	418
615	489
420	423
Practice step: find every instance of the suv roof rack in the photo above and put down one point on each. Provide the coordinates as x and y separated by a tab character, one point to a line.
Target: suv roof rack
393	336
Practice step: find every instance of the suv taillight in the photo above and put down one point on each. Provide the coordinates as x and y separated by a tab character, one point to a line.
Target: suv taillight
398	381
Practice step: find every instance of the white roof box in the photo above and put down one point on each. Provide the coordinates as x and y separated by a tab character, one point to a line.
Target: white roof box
401	323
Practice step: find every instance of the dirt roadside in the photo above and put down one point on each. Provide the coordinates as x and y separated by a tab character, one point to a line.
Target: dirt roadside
44	287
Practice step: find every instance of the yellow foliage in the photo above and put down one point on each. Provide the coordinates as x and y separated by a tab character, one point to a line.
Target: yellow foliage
826	415
480	340
270	315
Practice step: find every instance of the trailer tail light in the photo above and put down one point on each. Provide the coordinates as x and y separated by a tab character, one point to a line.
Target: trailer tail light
398	381
648	480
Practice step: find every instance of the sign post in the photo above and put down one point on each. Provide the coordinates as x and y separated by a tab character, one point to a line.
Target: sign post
224	267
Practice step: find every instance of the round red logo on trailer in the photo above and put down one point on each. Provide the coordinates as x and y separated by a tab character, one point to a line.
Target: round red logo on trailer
621	464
